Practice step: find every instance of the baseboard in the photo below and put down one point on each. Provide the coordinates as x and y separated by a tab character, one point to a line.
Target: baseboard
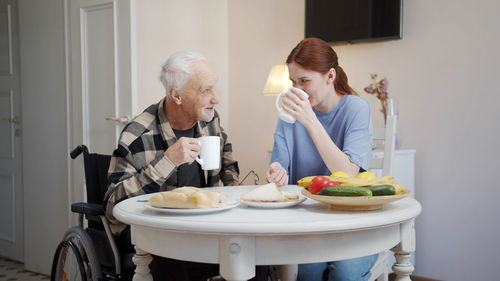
392	277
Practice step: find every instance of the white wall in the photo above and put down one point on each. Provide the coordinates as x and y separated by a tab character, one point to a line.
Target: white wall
443	76
261	33
167	26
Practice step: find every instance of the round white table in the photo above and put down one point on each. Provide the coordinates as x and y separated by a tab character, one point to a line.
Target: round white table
242	237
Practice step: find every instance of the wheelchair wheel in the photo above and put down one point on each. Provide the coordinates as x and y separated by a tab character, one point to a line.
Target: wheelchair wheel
80	239
68	264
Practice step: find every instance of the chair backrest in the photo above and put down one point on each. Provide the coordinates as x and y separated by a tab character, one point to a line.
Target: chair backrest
96	176
388	136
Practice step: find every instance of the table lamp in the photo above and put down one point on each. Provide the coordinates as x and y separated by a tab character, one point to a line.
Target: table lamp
278	80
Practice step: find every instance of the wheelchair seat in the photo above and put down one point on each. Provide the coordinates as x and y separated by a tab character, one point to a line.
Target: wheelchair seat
93	252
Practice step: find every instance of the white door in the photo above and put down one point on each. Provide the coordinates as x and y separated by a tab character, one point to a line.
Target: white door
103	79
11	188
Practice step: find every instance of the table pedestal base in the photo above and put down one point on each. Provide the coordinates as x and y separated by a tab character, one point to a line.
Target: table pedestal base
237	257
402	252
403	267
142	260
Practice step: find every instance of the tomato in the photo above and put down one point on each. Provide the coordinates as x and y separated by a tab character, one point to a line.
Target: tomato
318	183
333	183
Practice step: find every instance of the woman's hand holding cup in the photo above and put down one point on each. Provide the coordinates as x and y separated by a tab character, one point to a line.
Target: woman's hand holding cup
290	104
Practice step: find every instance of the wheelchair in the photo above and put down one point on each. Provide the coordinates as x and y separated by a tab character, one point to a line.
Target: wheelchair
92	252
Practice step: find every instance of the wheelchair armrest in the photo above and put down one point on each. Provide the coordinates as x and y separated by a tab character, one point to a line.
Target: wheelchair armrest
88	209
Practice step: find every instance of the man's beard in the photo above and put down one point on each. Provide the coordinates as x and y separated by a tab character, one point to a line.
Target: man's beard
207	117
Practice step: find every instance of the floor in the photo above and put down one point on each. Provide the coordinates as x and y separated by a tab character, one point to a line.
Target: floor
14	271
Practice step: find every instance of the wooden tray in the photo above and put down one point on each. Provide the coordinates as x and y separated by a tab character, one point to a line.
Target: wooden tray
358	203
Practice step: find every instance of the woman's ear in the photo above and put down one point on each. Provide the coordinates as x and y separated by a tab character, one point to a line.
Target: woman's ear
331	75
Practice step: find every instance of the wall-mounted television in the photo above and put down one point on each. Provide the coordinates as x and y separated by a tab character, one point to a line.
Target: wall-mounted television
350	21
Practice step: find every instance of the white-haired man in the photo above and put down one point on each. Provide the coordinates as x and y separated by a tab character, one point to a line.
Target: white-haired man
157	151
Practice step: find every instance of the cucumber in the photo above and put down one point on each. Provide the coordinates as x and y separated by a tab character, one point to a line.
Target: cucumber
381	190
346	191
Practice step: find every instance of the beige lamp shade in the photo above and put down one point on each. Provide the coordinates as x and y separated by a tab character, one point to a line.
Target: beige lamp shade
278	80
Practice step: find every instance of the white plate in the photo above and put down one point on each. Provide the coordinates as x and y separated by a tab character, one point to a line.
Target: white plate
274	205
229	205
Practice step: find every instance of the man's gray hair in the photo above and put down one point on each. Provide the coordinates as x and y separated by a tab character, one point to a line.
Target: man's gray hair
175	72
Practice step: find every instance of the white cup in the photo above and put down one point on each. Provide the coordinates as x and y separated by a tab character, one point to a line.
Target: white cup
209	158
283	114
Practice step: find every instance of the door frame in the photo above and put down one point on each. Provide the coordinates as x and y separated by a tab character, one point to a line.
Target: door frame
65	84
125	79
12	245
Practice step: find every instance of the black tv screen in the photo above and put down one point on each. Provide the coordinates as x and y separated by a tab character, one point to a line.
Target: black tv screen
349	21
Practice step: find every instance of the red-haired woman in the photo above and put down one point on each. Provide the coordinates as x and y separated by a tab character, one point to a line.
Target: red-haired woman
333	133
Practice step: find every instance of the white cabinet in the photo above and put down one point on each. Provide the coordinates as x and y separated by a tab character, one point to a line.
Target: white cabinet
403	168
404	173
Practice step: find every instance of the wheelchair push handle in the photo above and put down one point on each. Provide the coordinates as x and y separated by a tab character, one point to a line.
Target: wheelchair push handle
78	150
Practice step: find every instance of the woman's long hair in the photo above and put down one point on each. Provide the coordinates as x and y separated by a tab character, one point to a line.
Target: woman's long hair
317	55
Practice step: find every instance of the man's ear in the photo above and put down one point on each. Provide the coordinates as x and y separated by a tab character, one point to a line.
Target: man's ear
175	96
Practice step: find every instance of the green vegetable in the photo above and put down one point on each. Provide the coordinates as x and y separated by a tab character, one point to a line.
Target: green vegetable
381	190
346	191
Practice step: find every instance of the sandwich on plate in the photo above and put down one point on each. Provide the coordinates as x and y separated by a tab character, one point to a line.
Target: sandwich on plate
268	193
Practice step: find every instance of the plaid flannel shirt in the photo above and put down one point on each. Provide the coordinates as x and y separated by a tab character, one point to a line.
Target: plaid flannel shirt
139	164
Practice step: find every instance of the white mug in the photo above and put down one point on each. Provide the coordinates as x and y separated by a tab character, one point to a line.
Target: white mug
209	158
283	114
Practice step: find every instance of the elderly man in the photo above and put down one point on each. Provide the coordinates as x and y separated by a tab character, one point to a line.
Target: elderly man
157	150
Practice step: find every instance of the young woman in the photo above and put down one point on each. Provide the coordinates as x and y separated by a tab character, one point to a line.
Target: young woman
333	133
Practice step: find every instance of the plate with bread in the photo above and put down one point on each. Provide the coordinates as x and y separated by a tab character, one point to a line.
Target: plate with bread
269	196
190	200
